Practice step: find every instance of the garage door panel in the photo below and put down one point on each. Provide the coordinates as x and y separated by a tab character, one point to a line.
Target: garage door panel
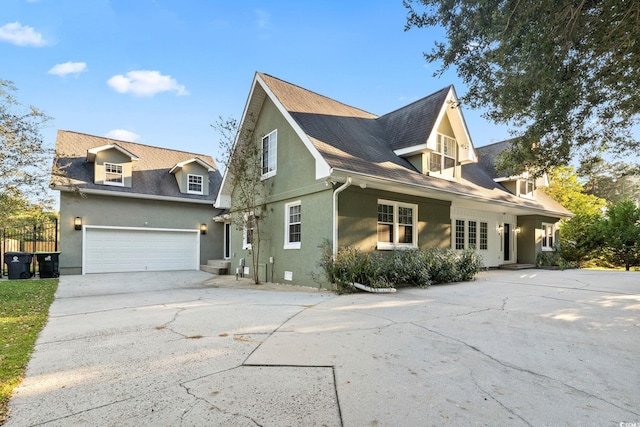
125	250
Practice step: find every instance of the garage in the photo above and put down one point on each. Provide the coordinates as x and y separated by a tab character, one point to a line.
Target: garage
122	249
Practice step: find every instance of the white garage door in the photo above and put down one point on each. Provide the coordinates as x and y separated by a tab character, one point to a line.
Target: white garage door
115	250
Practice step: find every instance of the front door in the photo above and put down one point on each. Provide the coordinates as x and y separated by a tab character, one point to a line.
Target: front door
227	240
507	241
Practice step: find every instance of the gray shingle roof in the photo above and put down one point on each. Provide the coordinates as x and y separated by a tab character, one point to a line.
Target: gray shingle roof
412	124
356	141
487	156
150	175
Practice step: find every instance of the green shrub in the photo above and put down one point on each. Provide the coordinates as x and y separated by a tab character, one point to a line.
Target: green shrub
401	267
554	259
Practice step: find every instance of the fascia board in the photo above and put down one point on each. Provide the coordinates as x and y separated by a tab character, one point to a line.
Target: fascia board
91	153
458	124
411	150
201	162
454	97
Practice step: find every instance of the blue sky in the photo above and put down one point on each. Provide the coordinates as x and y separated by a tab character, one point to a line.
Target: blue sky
160	72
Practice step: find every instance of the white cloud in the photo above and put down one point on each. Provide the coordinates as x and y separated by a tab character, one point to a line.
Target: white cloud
68	68
123	135
21	35
145	83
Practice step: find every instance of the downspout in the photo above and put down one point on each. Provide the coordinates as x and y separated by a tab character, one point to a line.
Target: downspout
335	213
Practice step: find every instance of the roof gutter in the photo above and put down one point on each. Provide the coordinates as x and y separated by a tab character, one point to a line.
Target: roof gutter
335	213
132	195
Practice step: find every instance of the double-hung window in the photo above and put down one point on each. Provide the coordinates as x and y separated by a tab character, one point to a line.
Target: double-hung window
113	174
194	184
397	225
548	231
269	154
442	161
293	225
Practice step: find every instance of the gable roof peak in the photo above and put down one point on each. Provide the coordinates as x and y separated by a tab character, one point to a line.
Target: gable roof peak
439	93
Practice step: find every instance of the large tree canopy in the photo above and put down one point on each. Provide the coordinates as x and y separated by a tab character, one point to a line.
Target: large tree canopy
565	74
24	159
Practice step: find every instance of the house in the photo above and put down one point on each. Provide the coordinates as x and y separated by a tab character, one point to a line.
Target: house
407	179
132	207
546	232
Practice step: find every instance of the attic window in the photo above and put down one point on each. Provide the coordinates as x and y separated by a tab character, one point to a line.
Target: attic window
195	184
443	160
113	174
526	187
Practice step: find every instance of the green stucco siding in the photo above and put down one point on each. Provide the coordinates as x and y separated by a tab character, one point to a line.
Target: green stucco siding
530	236
294	181
128	212
358	218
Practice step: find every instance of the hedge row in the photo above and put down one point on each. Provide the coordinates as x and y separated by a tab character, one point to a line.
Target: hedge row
398	268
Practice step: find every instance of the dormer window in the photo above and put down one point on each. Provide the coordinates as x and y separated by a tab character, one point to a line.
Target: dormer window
195	184
443	160
526	187
113	174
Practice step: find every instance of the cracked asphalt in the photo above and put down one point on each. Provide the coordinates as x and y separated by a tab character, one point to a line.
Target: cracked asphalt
528	347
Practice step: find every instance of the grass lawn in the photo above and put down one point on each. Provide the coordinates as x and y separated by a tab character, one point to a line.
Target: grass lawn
24	308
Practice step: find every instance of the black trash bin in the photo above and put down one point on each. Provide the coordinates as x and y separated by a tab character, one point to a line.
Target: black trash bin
48	264
19	264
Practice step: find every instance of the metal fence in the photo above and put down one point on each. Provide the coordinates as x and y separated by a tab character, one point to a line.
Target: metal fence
41	236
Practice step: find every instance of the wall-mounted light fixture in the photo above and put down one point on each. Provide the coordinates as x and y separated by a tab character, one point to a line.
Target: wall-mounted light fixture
517	230
77	223
500	229
203	228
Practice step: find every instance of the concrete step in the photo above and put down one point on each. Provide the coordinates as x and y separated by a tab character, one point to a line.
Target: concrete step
216	266
517	266
219	263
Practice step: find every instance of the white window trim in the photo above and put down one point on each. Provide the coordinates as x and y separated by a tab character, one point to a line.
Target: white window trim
287	243
386	246
527	182
440	137
117	184
245	244
271	148
553	235
189	191
467	233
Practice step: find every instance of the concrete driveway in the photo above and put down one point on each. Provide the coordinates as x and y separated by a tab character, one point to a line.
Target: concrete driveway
529	347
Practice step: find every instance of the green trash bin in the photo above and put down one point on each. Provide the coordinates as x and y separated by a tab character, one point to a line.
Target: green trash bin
48	264
18	264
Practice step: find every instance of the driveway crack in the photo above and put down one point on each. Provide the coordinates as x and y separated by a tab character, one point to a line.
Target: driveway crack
526	371
213	406
495	399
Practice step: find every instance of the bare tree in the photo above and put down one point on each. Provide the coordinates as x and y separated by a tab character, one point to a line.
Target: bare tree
242	158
